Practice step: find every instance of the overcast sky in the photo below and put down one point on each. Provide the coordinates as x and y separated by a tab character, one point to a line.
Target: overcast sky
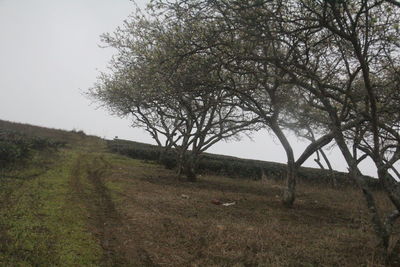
50	55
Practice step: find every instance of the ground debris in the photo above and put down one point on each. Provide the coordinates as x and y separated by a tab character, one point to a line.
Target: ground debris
184	196
225	204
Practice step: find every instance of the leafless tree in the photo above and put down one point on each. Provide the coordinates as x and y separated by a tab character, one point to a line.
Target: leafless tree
170	91
345	58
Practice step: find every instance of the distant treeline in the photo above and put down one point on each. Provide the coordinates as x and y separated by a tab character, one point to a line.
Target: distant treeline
233	167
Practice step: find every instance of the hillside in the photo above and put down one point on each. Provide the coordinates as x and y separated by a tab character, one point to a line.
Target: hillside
80	204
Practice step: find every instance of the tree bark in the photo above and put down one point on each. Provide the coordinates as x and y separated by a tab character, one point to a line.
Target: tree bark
390	185
377	223
190	168
332	175
180	163
289	193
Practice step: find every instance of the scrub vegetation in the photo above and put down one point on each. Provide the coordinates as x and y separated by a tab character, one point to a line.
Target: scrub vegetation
83	205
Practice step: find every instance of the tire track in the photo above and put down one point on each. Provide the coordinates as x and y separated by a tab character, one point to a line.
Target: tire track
104	222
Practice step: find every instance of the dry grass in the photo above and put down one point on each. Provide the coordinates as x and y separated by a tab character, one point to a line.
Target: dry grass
327	227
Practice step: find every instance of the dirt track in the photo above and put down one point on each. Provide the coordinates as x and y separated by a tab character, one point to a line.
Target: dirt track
105	223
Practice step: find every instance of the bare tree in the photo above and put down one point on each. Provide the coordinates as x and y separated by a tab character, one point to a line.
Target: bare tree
244	38
169	90
331	65
345	54
320	56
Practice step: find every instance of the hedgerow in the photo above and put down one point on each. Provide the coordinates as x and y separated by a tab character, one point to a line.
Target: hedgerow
16	147
231	166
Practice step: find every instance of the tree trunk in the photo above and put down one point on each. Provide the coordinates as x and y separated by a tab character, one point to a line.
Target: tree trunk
190	168
380	231
390	185
289	193
377	223
332	175
180	162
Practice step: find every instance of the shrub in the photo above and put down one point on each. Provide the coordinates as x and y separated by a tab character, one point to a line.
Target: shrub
168	159
12	153
41	144
16	147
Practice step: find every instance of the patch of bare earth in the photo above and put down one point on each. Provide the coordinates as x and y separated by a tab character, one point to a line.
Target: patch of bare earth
164	221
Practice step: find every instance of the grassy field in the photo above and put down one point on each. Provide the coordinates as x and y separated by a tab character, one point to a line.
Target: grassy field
84	206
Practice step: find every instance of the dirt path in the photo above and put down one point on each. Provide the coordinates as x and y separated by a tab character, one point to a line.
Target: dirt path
104	222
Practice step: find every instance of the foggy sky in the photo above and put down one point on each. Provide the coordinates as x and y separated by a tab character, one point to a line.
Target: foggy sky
50	55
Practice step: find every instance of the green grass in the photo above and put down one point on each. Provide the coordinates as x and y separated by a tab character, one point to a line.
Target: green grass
42	224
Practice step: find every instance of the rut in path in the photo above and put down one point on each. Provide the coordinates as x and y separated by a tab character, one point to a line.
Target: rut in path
104	222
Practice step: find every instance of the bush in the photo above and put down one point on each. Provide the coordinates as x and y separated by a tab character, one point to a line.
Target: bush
12	153
168	159
38	143
78	132
16	147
